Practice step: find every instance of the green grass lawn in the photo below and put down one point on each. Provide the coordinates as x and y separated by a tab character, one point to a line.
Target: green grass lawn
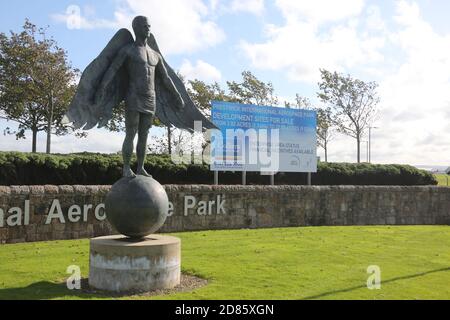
291	263
442	179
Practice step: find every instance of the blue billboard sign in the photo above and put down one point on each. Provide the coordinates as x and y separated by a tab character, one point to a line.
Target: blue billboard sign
262	138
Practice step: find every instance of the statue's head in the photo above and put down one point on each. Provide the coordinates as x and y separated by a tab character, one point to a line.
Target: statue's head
141	27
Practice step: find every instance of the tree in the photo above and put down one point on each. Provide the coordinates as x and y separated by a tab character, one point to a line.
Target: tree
325	129
325	126
300	103
36	83
179	141
353	103
252	91
203	94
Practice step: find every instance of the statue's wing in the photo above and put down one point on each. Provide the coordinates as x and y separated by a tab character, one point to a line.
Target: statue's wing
86	108
166	104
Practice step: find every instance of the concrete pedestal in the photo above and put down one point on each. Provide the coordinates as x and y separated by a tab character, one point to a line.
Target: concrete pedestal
119	264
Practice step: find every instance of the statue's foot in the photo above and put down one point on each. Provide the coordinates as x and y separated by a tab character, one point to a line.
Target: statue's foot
128	173
144	173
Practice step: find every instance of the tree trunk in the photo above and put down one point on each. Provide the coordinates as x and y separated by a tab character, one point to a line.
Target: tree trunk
358	142
49	125
169	139
49	138
35	132
326	151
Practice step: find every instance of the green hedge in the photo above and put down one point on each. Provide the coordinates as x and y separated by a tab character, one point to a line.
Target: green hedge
99	169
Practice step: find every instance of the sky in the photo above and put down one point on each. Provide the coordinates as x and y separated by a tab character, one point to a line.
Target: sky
403	45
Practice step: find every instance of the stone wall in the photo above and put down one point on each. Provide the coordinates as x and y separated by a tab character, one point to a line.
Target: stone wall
25	211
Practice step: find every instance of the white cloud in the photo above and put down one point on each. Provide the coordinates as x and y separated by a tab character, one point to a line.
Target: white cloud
415	95
224	7
320	11
75	21
419	84
374	19
409	59
180	26
201	71
302	47
255	7
214	4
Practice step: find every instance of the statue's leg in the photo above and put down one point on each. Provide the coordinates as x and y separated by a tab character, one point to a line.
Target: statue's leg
145	123
131	129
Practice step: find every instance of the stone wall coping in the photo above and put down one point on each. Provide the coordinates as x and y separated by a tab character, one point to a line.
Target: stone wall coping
93	189
53	189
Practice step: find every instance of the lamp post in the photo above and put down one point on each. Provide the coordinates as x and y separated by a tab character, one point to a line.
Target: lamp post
370	143
367	150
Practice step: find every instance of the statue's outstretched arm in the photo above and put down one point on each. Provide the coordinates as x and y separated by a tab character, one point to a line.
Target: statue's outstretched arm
169	83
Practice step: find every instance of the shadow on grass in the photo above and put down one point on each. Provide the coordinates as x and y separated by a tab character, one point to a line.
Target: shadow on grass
41	291
322	295
45	290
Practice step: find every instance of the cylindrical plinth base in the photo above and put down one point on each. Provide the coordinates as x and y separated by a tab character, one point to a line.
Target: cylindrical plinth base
120	264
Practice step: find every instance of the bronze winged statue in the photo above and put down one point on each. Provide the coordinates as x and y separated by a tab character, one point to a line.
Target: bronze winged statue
133	71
